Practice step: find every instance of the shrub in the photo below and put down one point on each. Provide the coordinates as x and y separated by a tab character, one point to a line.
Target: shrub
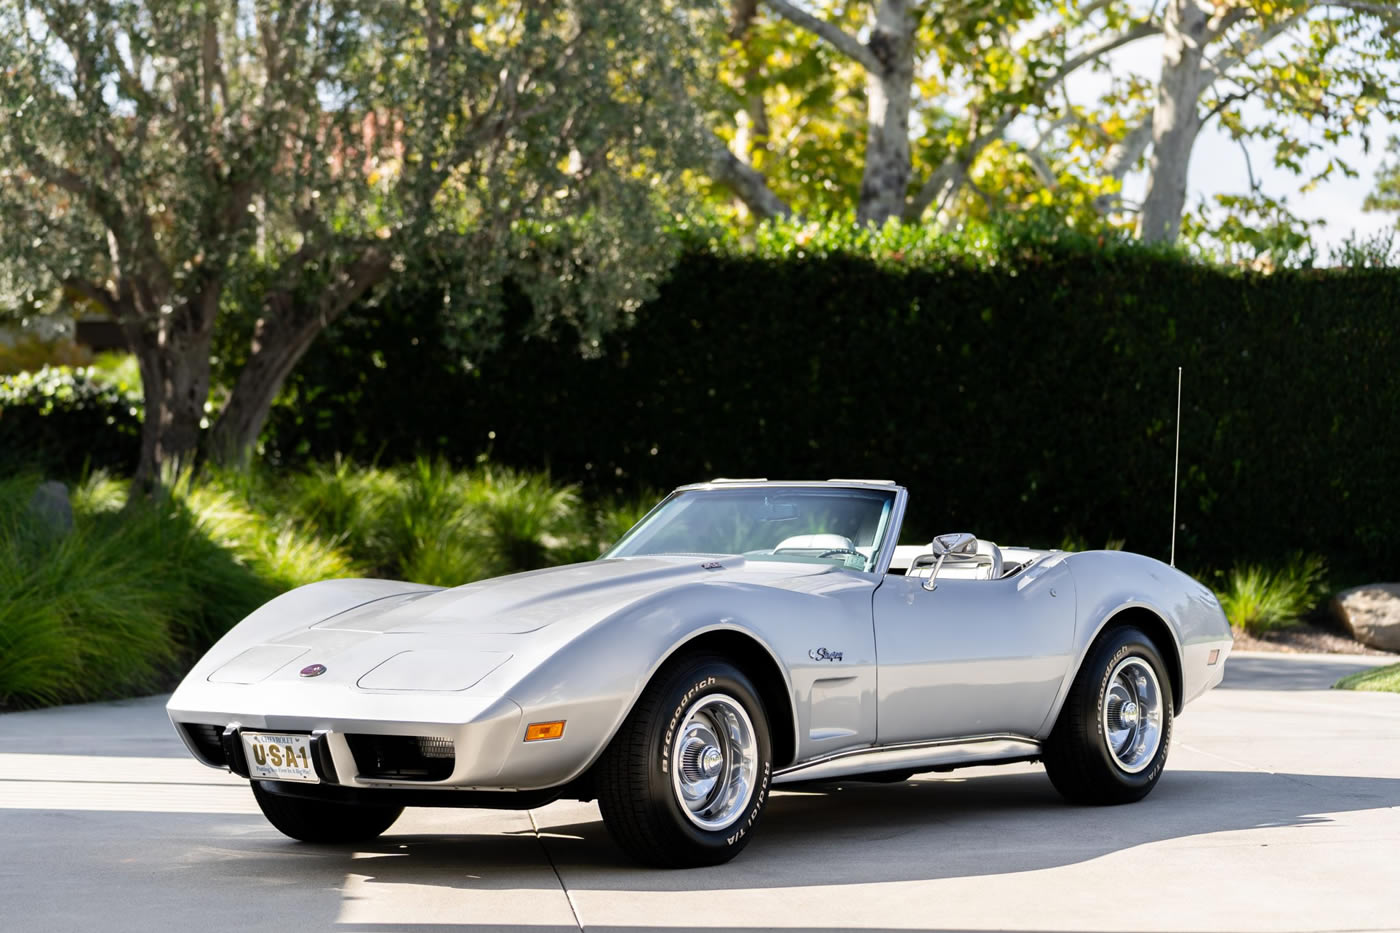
110	607
65	419
1259	600
31	352
1383	679
430	523
134	591
1017	386
274	546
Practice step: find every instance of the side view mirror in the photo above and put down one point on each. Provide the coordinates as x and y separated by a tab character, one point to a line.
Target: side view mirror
959	543
955	545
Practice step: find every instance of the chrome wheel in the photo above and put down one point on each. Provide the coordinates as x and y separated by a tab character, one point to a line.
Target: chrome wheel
1132	714
714	760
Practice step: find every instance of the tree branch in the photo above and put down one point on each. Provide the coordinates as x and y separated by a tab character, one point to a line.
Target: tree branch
1125	153
1223	22
833	34
1383	10
1249	43
932	189
961	162
1099	50
92	292
746	182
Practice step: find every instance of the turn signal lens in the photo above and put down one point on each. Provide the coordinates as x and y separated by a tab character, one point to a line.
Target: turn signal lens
539	731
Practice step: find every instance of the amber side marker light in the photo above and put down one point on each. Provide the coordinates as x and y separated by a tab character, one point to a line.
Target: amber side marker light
540	731
1214	656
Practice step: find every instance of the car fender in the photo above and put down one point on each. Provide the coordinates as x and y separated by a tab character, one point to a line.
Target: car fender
622	654
1109	584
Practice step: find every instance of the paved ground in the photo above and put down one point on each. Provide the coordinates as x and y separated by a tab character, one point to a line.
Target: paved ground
1280	810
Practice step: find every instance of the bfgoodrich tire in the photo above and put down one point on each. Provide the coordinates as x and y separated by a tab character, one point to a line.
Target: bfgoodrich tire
1110	743
685	780
321	820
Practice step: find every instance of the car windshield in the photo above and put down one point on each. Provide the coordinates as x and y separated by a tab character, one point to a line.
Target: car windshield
844	527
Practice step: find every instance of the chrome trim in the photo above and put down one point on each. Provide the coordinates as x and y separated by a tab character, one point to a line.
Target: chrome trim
914	755
714	762
1132	714
798	483
892	528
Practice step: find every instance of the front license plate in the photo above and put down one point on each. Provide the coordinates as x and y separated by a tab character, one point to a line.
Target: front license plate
275	757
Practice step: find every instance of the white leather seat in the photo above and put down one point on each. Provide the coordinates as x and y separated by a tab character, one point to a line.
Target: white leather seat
987	565
817	543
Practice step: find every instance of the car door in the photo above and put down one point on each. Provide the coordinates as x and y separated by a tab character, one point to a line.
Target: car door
821	625
972	657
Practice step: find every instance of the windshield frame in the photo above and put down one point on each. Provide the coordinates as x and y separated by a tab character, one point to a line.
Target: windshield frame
889	530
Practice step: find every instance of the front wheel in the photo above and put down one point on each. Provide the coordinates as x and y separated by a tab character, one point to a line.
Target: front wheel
1110	743
684	781
322	820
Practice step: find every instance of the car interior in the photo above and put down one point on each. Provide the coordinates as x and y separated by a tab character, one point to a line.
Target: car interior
990	562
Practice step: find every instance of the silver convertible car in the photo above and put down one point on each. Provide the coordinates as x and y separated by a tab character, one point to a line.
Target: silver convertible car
745	634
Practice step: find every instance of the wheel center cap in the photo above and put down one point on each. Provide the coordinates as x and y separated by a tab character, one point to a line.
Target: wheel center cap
1129	713
710	760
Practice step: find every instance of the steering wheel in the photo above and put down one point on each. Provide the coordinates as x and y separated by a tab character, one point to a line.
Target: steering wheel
865	561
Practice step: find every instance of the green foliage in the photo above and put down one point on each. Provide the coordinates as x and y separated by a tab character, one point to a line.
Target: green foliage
31	352
1385	679
429	523
168	162
1257	599
1379	251
134	591
991	111
109	608
66	418
1038	369
1386	196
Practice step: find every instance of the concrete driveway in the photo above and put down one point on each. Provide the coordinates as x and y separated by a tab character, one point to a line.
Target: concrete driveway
1280	810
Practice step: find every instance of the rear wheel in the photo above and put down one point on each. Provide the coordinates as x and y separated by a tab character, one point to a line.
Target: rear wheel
322	820
1111	741
684	781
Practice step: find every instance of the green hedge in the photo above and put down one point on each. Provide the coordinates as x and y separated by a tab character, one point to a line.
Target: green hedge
1021	393
66	419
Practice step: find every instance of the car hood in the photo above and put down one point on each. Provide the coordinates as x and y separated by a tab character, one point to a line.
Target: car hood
396	642
528	602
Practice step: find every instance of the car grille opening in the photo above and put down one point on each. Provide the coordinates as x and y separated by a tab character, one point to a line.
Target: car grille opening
403	757
207	740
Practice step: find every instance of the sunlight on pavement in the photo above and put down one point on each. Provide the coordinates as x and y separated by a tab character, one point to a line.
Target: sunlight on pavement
366	900
118	783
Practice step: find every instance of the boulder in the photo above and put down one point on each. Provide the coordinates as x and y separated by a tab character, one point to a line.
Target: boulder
51	507
1372	614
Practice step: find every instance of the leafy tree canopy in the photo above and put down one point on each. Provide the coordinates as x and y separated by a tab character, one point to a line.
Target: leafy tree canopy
157	156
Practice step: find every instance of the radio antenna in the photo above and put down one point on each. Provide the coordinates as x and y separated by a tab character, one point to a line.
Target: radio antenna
1176	468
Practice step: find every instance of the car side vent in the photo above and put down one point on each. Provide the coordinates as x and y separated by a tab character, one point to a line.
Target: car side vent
402	757
207	740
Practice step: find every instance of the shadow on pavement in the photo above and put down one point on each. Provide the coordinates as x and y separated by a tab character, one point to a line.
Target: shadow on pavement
1290	672
978	826
237	867
920	830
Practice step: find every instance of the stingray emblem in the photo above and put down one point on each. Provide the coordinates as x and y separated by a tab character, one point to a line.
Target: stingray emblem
821	654
313	670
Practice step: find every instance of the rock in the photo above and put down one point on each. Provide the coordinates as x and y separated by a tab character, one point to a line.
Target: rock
51	507
1371	613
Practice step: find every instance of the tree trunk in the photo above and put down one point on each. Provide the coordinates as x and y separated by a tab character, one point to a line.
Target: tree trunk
278	346
174	363
1176	122
281	338
888	86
